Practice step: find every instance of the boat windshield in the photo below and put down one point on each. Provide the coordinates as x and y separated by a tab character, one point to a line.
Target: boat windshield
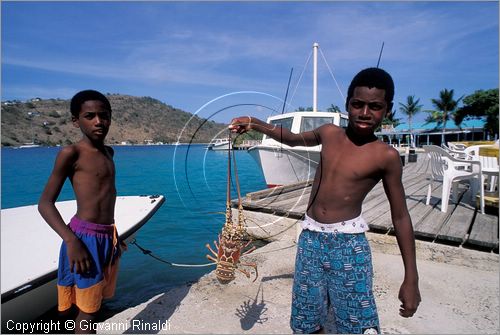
283	123
312	122
344	122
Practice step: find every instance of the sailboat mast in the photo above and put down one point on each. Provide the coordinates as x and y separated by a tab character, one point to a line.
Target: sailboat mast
315	77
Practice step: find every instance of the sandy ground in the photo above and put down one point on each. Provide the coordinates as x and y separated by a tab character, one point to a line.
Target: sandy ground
459	288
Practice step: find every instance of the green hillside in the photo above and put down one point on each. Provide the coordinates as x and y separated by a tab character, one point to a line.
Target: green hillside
135	120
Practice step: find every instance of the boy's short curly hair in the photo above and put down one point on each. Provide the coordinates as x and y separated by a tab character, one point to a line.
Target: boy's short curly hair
373	77
79	99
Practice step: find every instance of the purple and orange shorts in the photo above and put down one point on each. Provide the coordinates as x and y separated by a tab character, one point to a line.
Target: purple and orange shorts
87	290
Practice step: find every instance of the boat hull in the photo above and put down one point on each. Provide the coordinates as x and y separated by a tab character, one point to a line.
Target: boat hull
29	273
281	165
220	147
30	305
220	144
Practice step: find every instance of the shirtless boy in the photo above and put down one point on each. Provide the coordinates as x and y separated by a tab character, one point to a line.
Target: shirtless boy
333	263
88	260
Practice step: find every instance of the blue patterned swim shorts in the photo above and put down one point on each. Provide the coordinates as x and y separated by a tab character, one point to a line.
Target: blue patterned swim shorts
333	270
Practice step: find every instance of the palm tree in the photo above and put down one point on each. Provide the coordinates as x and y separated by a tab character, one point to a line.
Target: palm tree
334	109
390	119
434	116
411	108
445	104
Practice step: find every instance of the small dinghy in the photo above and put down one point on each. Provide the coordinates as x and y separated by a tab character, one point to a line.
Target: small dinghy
30	252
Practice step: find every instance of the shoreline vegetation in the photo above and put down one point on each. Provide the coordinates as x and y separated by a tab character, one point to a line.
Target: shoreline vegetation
135	121
124	144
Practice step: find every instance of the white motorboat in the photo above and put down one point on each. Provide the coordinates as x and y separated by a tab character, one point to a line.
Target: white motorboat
220	144
29	145
282	164
30	252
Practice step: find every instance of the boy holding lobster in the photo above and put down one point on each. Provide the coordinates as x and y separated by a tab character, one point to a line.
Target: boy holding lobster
333	262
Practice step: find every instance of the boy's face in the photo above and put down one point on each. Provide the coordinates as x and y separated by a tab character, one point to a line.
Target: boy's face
94	120
367	108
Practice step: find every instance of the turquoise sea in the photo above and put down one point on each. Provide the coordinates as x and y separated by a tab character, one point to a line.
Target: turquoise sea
192	179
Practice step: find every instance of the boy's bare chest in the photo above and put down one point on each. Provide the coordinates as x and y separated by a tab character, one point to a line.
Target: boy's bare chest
351	162
96	164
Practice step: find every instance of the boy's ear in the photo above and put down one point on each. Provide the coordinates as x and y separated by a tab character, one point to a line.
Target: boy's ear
388	110
75	122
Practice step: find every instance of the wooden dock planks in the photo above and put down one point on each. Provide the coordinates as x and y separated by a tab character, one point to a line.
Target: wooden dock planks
384	222
484	231
463	224
456	228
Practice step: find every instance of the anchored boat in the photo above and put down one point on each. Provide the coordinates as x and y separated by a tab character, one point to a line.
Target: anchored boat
30	252
282	164
220	144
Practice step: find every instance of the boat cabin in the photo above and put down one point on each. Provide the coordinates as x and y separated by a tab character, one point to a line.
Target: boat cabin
299	122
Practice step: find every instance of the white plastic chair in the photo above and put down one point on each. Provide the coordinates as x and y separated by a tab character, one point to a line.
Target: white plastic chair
457	146
473	151
450	170
455	153
489	165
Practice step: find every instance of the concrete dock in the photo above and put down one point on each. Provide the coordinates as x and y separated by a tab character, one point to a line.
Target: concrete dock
459	285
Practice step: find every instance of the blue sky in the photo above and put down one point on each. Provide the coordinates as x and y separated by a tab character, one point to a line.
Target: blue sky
206	57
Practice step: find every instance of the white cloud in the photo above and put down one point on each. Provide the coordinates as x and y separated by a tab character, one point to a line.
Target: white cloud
228	49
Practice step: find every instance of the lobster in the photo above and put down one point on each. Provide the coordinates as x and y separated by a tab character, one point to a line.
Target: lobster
233	239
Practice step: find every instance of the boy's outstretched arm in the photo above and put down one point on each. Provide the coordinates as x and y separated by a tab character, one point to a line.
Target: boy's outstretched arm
409	293
78	255
244	123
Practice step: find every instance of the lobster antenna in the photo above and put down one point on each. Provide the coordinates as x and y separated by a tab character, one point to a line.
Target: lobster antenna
228	190
380	55
236	179
228	196
287	88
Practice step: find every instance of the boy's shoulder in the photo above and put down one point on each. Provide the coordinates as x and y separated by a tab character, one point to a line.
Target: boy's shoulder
110	150
384	148
68	155
386	152
70	150
330	129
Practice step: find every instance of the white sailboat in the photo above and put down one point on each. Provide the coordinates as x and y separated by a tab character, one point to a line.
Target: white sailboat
282	164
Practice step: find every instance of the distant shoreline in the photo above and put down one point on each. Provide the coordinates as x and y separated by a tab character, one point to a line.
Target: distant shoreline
112	145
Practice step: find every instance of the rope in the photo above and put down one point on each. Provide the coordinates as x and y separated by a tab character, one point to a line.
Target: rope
150	253
336	83
300	77
275	234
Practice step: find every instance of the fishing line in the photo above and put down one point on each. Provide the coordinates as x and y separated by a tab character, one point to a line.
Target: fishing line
189	146
275	234
196	115
274	250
